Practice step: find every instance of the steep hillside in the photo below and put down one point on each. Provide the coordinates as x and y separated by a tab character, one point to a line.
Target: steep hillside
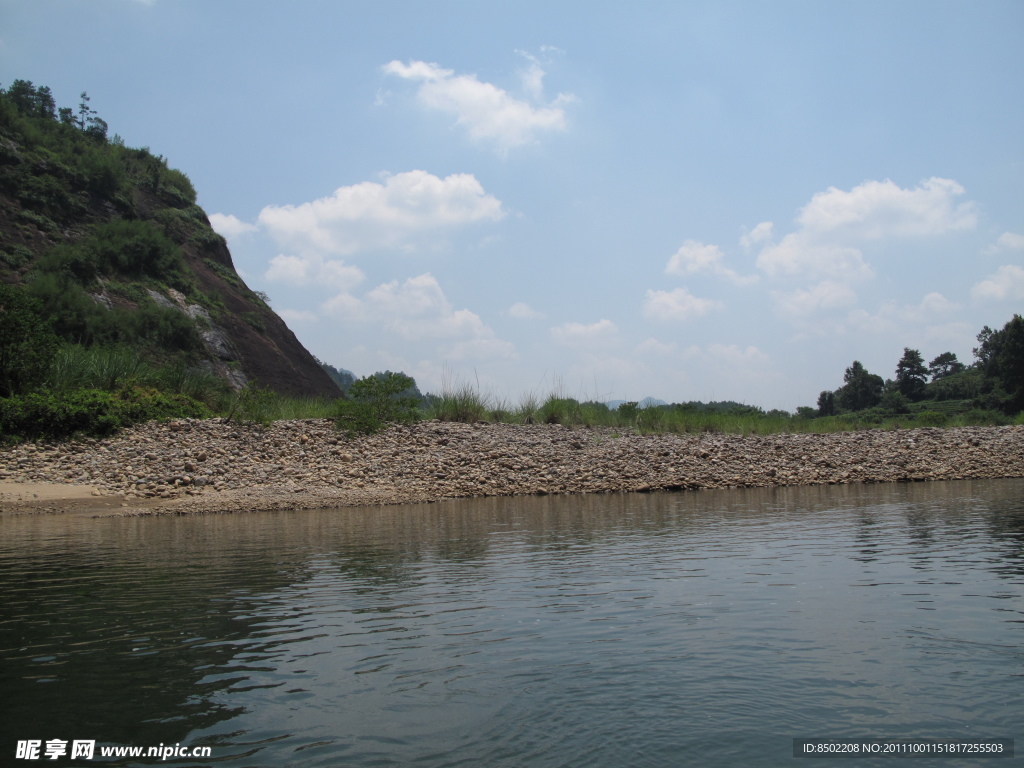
111	243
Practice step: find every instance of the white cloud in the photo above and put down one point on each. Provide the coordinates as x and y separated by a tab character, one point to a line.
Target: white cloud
487	112
312	268
296	316
826	295
1008	241
1006	283
694	258
835	222
728	355
533	77
230	226
295	270
522	311
931	312
679	304
581	334
727	371
418	310
799	254
657	348
395	214
877	209
760	234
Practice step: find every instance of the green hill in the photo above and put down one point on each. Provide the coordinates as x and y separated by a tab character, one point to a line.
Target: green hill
109	242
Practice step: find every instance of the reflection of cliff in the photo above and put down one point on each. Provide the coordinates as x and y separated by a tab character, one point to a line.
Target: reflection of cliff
112	628
148	630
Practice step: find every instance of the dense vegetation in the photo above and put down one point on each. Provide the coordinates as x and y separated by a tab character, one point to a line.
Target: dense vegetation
94	282
108	220
944	388
944	393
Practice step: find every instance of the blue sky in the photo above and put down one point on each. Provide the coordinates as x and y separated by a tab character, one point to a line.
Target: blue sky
684	200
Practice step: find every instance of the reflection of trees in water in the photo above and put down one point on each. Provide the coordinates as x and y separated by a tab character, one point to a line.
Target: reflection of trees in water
136	614
937	517
1006	525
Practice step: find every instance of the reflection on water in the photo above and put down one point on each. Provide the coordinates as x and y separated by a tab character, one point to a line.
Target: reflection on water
702	628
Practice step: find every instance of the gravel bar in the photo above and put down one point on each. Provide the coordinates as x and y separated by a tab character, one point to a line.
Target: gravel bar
209	465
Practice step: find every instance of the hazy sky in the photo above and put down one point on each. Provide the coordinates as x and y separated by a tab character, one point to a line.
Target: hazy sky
684	200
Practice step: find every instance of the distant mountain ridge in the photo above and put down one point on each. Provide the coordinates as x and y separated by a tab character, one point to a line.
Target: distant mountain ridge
110	241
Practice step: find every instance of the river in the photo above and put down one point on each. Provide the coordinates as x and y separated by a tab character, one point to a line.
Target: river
706	628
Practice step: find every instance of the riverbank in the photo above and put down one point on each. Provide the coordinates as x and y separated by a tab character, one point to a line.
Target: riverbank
196	466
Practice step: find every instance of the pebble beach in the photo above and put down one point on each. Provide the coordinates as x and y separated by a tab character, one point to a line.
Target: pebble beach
210	466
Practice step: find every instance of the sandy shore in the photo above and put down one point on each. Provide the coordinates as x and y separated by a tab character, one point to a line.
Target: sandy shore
196	466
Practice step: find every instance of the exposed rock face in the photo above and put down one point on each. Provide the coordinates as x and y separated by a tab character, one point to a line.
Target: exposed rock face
209	465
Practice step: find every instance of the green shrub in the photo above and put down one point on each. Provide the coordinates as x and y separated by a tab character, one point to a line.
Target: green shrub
15	256
253	404
980	417
177	186
931	419
255	321
178	377
134	249
90	412
27	342
103	170
79	319
40	222
956	386
387	395
356	418
223	272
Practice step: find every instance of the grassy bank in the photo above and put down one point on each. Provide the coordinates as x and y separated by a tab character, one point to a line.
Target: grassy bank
465	403
94	392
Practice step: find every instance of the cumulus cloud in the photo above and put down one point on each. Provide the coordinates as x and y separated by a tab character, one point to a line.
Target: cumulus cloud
760	234
932	311
877	209
679	304
297	316
487	112
418	310
230	226
313	268
657	348
369	215
835	222
581	334
799	254
522	311
1008	241
728	355
826	295
1006	283
695	258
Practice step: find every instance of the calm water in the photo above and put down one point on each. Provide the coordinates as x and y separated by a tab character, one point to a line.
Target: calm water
706	628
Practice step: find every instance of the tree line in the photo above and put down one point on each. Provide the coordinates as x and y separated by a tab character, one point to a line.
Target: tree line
994	381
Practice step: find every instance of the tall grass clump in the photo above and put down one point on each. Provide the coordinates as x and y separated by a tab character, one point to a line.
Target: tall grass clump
289	408
180	378
462	402
104	368
526	411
